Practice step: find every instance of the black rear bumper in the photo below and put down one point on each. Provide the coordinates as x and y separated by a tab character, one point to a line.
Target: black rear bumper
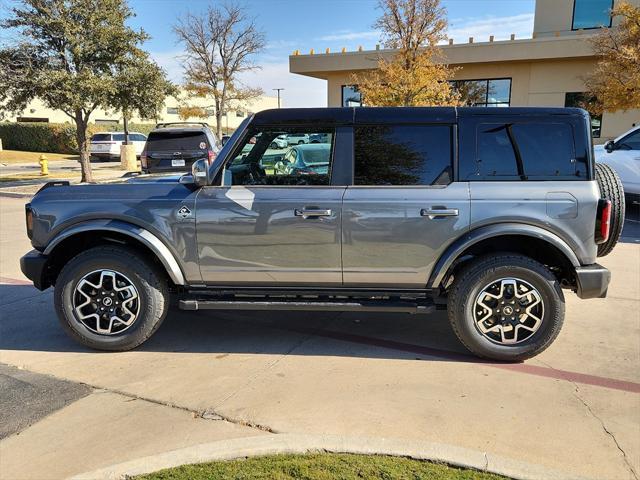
34	267
592	281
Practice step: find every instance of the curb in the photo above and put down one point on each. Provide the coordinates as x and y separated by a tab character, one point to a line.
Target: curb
299	443
16	194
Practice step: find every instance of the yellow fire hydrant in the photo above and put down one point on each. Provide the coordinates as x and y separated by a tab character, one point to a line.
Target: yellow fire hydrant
44	165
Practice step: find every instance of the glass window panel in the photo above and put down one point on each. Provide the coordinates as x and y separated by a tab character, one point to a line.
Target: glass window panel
496	155
283	157
630	142
351	96
546	149
402	155
579	100
499	91
591	14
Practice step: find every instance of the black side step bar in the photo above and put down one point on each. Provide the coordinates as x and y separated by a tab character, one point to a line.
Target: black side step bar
297	305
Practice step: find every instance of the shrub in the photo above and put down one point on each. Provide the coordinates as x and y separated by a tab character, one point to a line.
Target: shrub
53	137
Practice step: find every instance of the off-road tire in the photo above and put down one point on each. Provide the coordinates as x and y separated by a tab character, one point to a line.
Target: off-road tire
150	282
611	189
472	278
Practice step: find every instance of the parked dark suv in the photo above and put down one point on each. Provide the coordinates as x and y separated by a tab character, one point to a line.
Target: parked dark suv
491	214
173	147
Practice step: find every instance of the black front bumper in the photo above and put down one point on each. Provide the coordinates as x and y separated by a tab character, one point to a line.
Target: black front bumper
592	281
34	267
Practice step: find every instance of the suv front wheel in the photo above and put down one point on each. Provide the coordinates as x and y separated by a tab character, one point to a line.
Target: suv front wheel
506	307
111	298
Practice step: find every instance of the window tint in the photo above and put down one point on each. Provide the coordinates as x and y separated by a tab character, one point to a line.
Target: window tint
101	137
524	151
283	157
581	100
402	155
630	142
176	141
137	137
118	137
591	13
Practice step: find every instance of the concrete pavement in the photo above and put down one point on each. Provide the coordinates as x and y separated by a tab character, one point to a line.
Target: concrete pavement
575	408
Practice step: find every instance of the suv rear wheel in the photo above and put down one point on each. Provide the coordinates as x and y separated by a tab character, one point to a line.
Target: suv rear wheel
111	298
506	307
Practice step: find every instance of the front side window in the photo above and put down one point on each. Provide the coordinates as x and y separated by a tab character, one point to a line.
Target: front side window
403	155
484	93
591	14
581	100
283	157
525	151
630	142
351	96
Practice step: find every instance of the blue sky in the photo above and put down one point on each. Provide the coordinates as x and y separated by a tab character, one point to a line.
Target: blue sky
318	24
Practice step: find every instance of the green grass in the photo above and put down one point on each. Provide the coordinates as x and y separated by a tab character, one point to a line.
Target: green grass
17	156
323	466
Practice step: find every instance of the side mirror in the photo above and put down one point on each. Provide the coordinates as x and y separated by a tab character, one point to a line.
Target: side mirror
199	172
610	146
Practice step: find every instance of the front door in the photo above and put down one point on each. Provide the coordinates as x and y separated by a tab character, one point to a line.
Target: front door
403	209
273	220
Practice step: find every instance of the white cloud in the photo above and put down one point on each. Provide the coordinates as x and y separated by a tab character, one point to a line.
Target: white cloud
171	62
299	91
350	36
481	28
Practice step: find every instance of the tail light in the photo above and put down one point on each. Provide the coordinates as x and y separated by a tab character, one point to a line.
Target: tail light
603	221
143	159
29	220
212	156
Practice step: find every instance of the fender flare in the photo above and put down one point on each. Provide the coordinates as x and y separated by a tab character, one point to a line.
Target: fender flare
145	237
453	252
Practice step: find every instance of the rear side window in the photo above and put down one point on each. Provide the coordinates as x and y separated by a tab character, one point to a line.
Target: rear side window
101	137
524	151
403	155
177	141
118	137
137	137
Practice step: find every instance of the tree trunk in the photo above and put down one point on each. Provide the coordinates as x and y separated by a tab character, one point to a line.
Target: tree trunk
83	148
219	124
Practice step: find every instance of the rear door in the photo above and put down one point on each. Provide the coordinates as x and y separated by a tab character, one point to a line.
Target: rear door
101	143
403	208
175	149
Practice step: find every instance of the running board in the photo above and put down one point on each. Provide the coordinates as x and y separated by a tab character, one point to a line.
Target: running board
357	306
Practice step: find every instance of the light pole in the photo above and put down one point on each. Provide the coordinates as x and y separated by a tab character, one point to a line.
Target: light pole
278	90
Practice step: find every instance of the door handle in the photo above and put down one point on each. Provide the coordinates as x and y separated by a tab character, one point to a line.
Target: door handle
435	212
312	212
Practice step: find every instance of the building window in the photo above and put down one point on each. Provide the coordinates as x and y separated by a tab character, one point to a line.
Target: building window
580	100
591	14
484	93
239	113
32	119
351	96
210	112
172	110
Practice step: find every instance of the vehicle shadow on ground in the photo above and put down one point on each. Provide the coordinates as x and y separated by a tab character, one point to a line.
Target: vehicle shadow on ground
28	322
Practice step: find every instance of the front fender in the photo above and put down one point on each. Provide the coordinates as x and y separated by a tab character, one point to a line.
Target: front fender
454	251
143	236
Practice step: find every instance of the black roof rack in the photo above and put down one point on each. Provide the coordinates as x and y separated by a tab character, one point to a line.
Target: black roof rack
167	124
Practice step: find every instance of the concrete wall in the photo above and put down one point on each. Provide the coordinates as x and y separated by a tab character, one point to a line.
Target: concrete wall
539	83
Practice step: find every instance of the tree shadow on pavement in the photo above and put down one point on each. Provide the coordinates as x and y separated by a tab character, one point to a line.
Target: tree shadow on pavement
28	322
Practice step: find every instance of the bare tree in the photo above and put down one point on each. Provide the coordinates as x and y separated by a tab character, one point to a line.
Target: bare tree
219	47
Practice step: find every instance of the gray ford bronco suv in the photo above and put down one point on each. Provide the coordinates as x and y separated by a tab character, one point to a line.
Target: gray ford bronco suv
488	213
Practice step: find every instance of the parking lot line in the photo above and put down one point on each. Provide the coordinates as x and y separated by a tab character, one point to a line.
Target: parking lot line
569	376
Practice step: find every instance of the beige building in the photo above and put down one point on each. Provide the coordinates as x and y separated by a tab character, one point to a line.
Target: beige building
544	70
36	111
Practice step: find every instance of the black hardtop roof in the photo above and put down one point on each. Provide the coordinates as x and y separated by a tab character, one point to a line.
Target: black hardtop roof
351	115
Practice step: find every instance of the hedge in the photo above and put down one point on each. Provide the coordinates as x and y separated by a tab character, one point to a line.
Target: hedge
54	137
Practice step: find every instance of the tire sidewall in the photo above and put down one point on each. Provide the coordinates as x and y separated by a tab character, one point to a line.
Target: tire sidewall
553	302
137	272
